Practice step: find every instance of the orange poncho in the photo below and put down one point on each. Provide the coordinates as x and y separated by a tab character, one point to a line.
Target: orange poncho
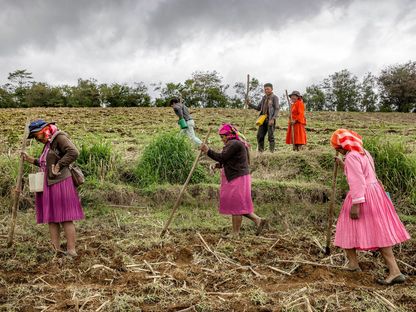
298	114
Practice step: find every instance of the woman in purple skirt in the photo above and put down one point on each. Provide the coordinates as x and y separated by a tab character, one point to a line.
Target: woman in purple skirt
235	192
58	204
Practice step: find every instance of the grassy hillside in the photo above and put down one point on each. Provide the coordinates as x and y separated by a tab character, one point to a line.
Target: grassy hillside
124	266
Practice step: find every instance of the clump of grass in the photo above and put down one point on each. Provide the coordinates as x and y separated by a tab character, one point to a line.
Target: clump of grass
395	168
96	159
168	159
259	297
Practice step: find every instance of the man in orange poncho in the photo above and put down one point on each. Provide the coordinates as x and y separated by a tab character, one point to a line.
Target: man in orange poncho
298	121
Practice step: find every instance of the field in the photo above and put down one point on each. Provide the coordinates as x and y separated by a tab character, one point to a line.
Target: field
123	265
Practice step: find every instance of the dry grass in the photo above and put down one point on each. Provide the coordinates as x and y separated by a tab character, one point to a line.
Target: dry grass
123	265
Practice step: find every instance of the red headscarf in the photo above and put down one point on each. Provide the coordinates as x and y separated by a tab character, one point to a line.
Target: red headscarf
348	140
49	130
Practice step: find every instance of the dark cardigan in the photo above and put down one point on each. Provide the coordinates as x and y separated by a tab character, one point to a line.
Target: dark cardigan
233	158
63	152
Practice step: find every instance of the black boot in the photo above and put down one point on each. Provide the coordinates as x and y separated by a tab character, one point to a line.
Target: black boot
272	146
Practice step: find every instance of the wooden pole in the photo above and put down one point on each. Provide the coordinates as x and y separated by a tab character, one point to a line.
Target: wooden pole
331	208
179	199
18	190
246	103
292	128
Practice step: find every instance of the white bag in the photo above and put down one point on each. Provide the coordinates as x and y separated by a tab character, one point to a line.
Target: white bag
36	182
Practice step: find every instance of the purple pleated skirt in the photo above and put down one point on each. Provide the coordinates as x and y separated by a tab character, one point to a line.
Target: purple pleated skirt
58	202
235	196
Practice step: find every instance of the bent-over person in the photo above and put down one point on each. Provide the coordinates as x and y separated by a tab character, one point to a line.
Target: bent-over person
368	220
235	192
58	205
186	122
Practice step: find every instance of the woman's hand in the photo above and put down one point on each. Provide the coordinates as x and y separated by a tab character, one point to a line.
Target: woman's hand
293	122
204	148
27	158
355	211
56	170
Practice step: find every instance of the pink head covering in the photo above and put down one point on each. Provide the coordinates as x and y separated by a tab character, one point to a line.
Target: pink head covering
232	133
348	140
49	130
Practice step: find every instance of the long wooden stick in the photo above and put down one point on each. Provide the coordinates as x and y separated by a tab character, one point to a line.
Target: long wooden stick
331	208
292	127
246	103
179	199
18	190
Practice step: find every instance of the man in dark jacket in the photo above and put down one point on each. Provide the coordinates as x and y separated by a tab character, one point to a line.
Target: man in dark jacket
269	105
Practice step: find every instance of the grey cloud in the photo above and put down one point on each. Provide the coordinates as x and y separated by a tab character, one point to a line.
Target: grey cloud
177	21
44	24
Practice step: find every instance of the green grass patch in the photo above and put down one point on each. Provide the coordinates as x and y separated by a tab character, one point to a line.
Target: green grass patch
168	159
395	168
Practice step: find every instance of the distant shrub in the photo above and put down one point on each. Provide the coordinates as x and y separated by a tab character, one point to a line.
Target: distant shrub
168	159
394	168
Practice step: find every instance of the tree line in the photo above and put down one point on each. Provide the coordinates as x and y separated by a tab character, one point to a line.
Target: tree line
394	89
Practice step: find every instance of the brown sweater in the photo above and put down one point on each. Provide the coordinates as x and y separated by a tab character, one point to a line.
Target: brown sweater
233	158
63	152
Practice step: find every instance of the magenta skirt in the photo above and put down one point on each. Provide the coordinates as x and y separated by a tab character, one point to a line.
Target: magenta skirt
235	196
378	225
58	203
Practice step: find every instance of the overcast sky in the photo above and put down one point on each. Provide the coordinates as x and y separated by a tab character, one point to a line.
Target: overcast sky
289	43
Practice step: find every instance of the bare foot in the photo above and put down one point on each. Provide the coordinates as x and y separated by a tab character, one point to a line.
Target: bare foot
263	223
72	253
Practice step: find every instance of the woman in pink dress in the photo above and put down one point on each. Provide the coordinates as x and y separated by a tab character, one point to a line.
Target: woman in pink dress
368	220
58	205
235	192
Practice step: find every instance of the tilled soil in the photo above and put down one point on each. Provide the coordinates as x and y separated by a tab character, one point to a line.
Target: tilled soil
127	270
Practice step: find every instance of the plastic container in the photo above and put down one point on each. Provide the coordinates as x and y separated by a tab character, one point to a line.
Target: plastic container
36	182
182	123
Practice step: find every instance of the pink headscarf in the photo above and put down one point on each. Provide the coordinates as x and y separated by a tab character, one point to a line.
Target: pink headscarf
232	133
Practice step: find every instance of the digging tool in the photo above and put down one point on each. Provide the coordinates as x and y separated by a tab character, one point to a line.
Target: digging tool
246	104
292	127
18	190
178	200
331	208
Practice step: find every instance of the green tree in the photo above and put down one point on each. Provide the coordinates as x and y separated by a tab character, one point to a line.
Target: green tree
398	87
42	95
342	91
6	98
122	95
169	91
205	89
19	82
369	98
314	98
255	92
84	94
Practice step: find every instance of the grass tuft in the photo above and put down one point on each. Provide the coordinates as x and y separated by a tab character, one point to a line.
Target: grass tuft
395	168
168	159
